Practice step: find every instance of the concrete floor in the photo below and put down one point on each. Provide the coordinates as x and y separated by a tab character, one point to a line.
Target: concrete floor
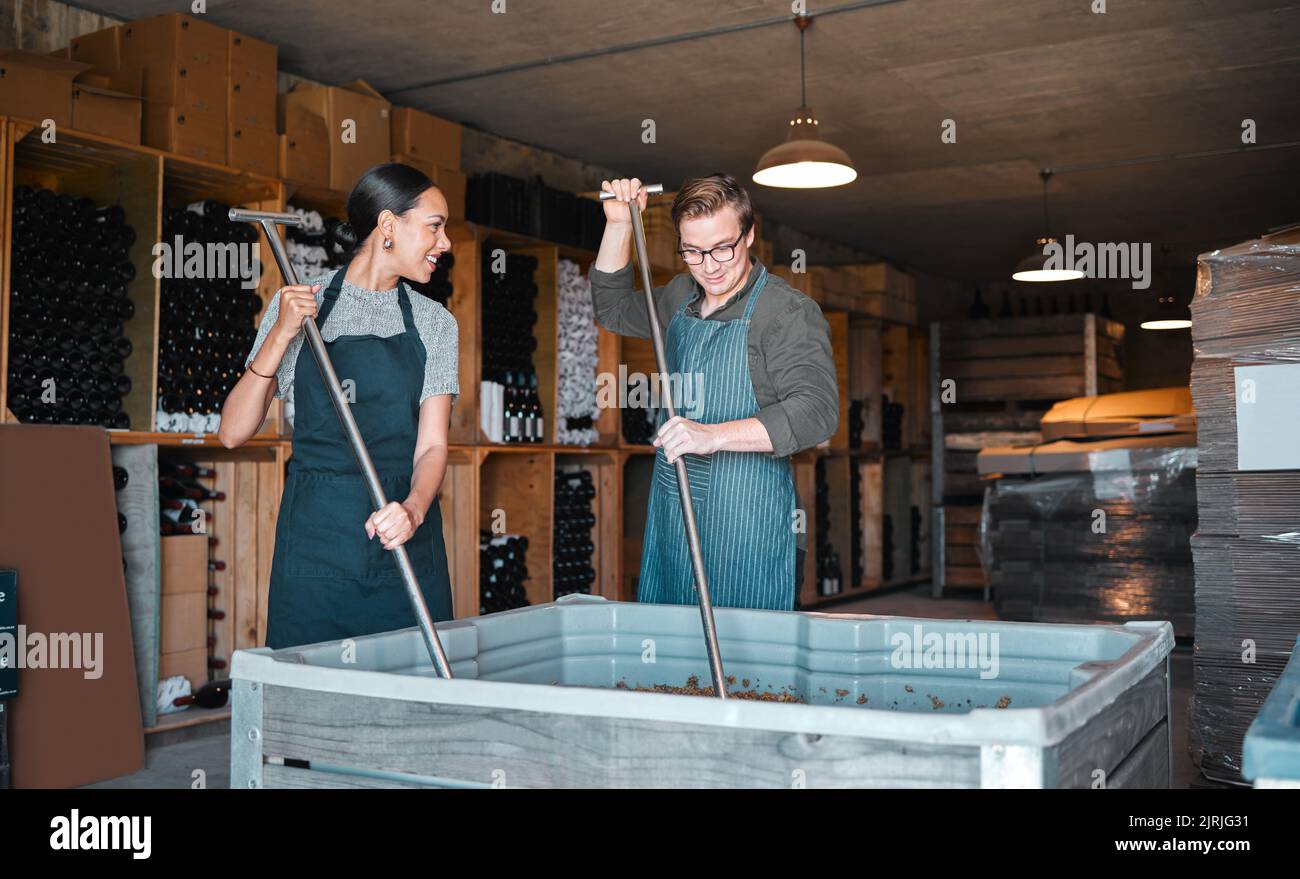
172	759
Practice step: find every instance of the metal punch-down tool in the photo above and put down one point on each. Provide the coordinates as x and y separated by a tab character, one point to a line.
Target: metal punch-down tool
683	485
268	221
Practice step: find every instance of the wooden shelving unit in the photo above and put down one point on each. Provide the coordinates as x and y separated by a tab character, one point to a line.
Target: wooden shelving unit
871	352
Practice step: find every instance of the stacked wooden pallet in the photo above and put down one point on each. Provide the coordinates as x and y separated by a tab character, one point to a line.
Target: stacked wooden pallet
990	382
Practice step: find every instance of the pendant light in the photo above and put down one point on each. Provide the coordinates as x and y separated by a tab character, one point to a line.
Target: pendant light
1170	315
1033	268
804	161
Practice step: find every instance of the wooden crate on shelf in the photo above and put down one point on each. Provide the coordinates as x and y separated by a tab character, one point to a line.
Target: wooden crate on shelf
990	382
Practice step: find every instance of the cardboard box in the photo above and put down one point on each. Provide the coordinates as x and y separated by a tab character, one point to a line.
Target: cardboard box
98	108
304	147
184	564
183	622
420	164
171	129
191	664
254	149
452	183
38	87
1129	413
1075	456
102	50
426	137
183	65
368	133
252	77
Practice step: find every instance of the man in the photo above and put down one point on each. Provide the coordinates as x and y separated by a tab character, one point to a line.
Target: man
757	355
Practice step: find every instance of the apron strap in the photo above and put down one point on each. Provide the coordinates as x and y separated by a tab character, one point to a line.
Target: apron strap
759	284
404	300
331	294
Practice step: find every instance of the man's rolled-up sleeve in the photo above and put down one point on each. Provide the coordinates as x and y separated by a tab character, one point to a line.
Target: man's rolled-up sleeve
797	352
618	307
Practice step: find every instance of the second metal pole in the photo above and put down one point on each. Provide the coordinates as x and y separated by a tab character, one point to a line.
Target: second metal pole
683	485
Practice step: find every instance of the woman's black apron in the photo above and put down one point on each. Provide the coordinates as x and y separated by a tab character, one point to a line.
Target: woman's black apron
328	580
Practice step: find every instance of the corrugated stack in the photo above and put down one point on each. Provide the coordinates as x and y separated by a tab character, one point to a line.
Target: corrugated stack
1246	335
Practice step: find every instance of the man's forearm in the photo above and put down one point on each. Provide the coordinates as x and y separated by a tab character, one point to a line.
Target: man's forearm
615	247
742	435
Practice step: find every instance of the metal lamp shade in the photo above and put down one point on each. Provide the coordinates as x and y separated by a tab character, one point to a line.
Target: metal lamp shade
1033	268
805	161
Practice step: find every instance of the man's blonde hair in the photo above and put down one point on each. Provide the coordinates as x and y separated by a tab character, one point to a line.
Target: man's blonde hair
705	196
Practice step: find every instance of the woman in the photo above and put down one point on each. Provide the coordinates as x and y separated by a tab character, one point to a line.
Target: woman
396	354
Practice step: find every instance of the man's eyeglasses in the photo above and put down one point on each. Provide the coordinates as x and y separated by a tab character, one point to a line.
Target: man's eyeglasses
722	253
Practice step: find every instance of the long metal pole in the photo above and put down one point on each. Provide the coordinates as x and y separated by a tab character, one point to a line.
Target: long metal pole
268	221
683	485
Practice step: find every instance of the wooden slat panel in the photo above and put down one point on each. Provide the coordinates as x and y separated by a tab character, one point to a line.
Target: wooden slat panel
872	473
609	421
241	607
464	306
270	485
458	504
1012	346
959	515
1020	388
993	328
964	577
1109	739
481	745
1046	365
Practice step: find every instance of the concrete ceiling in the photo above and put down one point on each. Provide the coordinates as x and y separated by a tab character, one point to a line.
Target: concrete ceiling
1030	83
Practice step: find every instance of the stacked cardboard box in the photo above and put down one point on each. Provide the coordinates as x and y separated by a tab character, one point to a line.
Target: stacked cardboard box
252	142
208	92
1246	335
183	619
432	145
357	127
104	100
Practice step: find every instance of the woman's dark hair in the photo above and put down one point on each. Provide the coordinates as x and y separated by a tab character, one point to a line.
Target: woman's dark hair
389	187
